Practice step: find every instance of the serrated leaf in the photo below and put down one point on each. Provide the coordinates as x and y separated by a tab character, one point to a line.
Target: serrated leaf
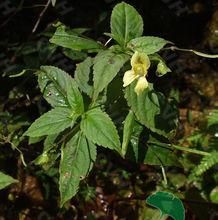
68	39
153	110
106	66
52	122
76	161
82	74
126	23
99	128
168	204
148	44
59	88
6	180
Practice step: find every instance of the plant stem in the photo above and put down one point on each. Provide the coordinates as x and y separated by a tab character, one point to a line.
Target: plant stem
193	151
41	15
74	130
164	176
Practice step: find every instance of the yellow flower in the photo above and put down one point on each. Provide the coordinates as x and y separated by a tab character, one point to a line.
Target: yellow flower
140	64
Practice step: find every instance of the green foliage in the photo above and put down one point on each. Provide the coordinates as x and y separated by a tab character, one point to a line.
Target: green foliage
160	154
88	109
152	110
6	180
97	106
206	163
127	131
59	89
213	118
77	159
168	204
82	74
77	123
69	39
214	195
148	44
126	23
106	66
98	128
52	122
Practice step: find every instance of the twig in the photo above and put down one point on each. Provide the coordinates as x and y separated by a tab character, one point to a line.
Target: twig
41	15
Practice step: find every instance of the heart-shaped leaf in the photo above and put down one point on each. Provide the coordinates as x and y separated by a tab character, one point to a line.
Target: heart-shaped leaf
168	204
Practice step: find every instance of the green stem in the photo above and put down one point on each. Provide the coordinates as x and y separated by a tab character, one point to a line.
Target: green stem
195	52
164	176
72	132
193	151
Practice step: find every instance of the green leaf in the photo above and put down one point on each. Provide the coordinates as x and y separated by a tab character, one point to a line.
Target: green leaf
148	44
69	39
213	118
168	204
149	148
49	142
82	74
214	195
126	23
153	110
49	155
59	88
52	122
106	66
99	128
6	180
135	142
131	137
160	154
127	131
34	140
76	161
207	162
75	55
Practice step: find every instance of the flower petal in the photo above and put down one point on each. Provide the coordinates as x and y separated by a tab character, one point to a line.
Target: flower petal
134	59
129	77
140	58
141	85
145	60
